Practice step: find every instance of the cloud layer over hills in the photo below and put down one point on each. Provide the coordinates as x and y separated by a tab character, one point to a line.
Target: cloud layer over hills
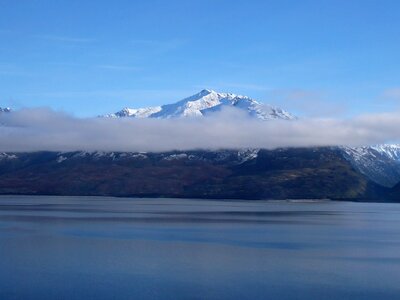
44	129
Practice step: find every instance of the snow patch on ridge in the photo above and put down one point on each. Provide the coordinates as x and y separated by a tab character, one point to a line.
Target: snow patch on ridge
247	154
135	112
380	163
7	156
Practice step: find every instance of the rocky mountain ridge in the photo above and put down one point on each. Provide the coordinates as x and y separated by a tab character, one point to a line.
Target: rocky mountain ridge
205	103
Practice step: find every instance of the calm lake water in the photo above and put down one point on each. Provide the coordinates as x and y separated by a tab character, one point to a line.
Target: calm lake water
110	248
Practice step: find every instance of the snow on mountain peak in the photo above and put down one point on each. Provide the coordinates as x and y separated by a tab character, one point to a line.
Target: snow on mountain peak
381	163
204	103
136	112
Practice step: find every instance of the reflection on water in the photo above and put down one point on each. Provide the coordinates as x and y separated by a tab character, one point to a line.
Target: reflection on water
108	248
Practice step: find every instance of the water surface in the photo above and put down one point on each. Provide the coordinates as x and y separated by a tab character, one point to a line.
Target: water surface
116	248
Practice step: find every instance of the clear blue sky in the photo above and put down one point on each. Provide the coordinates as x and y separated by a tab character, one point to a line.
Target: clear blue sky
94	57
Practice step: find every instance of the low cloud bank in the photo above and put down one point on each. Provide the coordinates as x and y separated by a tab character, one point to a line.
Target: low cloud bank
43	129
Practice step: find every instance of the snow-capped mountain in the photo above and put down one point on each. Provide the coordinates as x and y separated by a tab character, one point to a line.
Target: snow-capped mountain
381	163
136	112
205	103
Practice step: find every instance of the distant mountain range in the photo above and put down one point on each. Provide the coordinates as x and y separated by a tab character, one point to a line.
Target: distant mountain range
244	173
380	163
205	103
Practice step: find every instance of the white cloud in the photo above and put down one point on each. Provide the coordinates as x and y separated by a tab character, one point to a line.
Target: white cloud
44	129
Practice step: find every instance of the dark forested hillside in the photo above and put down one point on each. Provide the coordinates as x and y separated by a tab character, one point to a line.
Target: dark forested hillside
299	173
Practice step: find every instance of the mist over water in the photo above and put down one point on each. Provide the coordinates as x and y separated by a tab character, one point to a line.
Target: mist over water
103	248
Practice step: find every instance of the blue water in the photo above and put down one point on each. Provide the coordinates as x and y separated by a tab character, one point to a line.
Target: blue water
110	248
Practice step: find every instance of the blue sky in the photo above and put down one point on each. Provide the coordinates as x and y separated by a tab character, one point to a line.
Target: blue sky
94	57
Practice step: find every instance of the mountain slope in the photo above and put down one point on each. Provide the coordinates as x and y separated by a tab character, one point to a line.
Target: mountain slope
302	173
380	163
205	103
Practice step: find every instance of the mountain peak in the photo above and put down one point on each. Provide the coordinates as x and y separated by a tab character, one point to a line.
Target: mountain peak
206	91
204	103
